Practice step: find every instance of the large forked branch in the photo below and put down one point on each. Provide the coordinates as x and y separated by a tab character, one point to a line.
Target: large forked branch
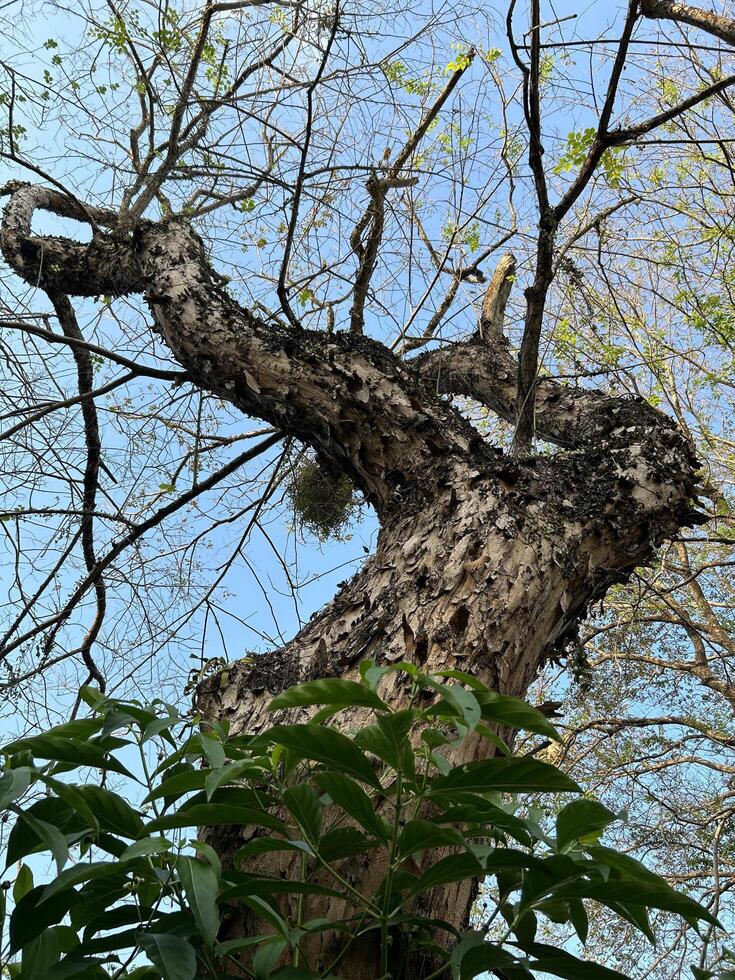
706	20
348	397
485	369
375	416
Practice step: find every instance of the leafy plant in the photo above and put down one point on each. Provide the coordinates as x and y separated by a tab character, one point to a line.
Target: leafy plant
134	896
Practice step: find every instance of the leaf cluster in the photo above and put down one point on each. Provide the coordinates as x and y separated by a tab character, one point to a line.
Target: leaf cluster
359	781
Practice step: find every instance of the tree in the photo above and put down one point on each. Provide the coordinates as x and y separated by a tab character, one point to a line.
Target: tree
486	558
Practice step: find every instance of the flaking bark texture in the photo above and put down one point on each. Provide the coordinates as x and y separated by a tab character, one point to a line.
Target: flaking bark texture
483	562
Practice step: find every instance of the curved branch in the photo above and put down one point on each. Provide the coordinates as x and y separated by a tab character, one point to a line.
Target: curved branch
347	396
106	266
705	20
485	368
85	374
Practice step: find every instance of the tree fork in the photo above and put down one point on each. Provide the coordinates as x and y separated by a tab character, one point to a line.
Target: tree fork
483	562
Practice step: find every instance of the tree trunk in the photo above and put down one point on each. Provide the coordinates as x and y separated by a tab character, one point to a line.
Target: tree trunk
484	562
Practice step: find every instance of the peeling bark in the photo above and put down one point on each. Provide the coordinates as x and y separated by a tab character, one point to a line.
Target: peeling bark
484	562
706	20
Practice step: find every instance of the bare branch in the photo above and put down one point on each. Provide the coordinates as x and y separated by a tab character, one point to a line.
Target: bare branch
85	372
373	220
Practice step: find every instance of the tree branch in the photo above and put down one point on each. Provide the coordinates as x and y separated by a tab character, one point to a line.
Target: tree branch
373	220
58	619
484	368
346	396
85	374
705	20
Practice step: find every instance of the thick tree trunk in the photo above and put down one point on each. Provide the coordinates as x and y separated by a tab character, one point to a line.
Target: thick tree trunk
484	562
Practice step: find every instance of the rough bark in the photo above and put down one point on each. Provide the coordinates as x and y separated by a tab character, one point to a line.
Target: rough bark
484	562
705	20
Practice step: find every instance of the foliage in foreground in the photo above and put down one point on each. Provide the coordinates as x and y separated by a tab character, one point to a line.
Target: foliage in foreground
134	896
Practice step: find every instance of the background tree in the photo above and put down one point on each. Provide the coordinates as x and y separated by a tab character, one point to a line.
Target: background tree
243	126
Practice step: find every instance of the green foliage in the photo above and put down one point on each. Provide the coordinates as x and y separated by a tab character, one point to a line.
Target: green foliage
578	146
323	500
461	60
134	897
713	314
398	75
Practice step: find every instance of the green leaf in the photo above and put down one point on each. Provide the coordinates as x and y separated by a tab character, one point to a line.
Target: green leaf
113	813
80	729
24	840
173	956
327	746
74	800
505	775
562	964
637	915
474	956
179	784
116	917
77	873
214	815
580	819
265	910
304	805
210	856
471	808
29	918
49	836
23	883
235	945
462	702
148	845
644	893
468	680
420	835
388	739
268	845
92	696
201	888
76	752
227	774
40	955
371	674
353	799
578	918
14	783
267	956
457	867
213	749
342	843
333	691
76	967
515	713
627	866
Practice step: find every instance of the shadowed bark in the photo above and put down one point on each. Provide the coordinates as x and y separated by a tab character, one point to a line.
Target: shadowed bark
484	562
